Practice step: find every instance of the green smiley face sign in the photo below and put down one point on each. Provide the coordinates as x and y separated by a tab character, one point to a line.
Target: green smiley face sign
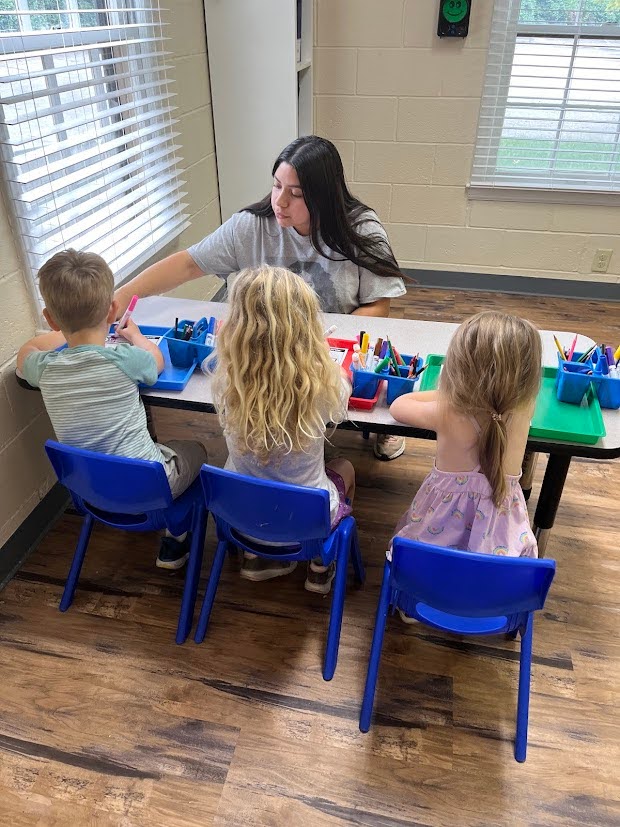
454	10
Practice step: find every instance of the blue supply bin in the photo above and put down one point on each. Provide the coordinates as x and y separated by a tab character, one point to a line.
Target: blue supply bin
184	354
608	391
573	380
398	385
365	382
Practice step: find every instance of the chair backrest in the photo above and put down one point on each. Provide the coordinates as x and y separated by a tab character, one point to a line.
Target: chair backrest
108	483
267	510
468	584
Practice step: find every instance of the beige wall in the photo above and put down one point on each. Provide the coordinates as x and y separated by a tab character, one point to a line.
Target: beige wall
188	49
402	107
25	474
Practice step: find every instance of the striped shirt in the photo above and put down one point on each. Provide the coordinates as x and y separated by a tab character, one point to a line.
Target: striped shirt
91	395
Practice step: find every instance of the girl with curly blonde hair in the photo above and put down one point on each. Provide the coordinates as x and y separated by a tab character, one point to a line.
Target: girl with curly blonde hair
275	388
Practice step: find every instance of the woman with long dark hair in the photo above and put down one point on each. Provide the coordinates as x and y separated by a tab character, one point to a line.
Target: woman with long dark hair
309	223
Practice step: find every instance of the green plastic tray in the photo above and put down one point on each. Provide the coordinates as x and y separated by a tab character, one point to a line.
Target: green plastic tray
559	420
430	377
552	419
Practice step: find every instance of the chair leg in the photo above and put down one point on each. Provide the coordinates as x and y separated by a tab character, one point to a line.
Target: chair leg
337	607
356	557
375	650
523	701
214	579
192	575
76	564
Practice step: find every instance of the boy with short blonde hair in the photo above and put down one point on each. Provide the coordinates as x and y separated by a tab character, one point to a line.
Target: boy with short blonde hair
91	391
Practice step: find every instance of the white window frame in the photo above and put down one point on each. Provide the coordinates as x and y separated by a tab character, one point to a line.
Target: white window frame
505	30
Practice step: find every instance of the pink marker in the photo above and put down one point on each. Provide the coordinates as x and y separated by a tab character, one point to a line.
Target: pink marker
127	314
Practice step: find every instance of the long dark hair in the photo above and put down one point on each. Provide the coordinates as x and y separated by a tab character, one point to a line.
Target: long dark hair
335	214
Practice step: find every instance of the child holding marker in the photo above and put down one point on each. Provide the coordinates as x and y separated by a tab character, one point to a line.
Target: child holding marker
91	391
275	387
472	499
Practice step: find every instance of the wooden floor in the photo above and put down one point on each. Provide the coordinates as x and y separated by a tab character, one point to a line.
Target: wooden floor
105	721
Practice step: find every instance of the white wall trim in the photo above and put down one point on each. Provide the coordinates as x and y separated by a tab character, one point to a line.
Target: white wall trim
480	192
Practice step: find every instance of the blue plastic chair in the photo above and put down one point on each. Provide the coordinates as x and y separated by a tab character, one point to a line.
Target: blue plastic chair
134	495
464	593
279	513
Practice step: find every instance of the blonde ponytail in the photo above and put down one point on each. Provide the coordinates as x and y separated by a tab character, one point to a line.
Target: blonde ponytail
492	367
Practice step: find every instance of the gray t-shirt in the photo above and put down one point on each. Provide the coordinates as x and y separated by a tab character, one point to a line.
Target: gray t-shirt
298	468
247	240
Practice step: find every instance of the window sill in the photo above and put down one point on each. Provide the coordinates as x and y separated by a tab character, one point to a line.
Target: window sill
540	195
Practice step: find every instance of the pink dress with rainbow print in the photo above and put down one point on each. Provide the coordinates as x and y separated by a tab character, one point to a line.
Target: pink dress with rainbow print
455	509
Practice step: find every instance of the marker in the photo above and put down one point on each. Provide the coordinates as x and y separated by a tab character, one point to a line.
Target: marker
329	331
370	357
364	343
383	364
610	356
176	328
617	354
379	345
361	336
210	337
355	362
127	314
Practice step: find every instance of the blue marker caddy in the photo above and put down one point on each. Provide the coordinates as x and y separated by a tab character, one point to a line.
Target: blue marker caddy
185	353
366	382
572	380
607	387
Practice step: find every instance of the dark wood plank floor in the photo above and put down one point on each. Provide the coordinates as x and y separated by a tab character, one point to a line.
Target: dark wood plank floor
105	721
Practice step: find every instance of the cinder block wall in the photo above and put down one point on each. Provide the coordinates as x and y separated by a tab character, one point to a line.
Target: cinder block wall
402	106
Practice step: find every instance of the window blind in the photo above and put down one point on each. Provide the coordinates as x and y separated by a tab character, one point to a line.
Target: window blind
550	111
87	134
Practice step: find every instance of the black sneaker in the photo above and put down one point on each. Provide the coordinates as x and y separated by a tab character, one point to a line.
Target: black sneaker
258	568
172	553
319	577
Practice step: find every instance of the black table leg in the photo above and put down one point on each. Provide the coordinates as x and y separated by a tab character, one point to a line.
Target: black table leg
550	495
150	424
527	472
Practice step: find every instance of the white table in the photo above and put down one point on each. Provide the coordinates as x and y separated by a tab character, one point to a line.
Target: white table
408	336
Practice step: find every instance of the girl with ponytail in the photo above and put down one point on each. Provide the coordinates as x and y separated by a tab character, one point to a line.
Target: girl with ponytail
481	414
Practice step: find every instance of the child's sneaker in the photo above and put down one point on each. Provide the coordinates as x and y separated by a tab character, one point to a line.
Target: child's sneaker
319	577
258	568
172	553
406	618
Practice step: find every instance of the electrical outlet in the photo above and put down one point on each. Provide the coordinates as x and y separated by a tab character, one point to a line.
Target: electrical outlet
600	262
